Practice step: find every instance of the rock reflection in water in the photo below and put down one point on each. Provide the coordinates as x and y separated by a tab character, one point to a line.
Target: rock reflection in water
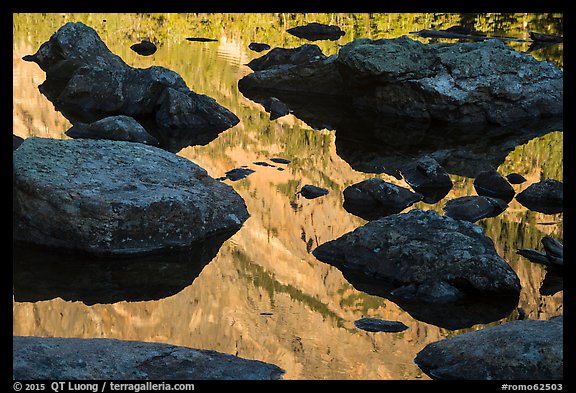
460	314
41	275
373	144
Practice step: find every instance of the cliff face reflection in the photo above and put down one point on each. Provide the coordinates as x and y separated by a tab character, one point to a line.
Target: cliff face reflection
266	267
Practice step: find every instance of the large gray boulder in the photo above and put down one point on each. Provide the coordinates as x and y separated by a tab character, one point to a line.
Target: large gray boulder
458	83
431	256
116	197
518	350
87	82
110	359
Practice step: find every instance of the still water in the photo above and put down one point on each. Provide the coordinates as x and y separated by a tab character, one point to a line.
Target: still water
263	295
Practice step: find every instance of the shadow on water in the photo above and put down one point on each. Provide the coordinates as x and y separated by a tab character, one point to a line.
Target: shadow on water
373	144
40	275
461	314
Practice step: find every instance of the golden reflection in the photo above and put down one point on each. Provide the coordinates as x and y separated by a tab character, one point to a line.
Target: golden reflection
267	267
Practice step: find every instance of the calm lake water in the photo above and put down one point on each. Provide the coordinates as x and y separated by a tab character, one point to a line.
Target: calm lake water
263	295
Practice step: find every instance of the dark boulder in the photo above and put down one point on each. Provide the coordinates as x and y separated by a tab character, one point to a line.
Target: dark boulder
115	128
546	196
379	325
553	254
491	184
144	48
116	198
374	198
517	350
275	107
317	31
424	248
50	358
280	160
427	177
311	192
238	173
474	208
87	82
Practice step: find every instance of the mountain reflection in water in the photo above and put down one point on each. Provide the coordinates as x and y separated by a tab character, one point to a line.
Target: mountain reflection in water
263	295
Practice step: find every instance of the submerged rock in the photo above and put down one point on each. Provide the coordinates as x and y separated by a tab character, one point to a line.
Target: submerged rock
114	197
51	358
317	31
474	208
87	82
423	248
374	198
517	350
379	325
115	128
546	196
491	184
311	192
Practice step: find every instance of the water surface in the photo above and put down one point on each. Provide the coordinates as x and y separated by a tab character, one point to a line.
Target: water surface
262	294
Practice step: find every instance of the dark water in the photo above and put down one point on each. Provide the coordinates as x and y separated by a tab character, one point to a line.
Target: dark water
261	294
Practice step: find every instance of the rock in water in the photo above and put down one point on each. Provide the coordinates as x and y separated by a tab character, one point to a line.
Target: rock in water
311	192
374	198
144	48
112	197
258	47
546	196
317	31
423	248
116	128
379	325
111	359
474	208
518	350
515	178
492	184
87	82
427	177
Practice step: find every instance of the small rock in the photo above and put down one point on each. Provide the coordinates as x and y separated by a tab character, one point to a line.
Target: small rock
115	128
280	160
258	47
515	178
317	31
238	173
474	208
492	184
380	325
144	48
262	163
310	192
427	177
201	39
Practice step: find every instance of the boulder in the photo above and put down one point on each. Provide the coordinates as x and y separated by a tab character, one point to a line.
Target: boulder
517	350
474	208
144	48
492	184
115	197
116	128
374	198
455	83
50	358
87	82
258	47
552	256
546	196
317	31
427	177
423	248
